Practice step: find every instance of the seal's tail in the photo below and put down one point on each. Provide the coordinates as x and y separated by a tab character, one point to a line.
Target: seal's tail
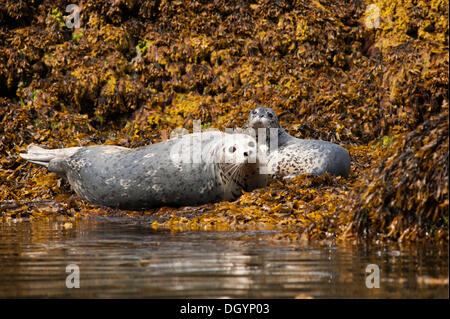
41	156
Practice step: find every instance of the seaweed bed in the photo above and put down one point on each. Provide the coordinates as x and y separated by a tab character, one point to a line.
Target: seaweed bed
374	81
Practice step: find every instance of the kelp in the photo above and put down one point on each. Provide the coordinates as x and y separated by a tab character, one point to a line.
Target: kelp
408	205
136	70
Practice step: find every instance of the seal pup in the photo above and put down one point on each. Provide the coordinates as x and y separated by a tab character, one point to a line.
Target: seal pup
293	156
189	170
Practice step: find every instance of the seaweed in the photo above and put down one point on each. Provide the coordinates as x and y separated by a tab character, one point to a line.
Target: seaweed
136	70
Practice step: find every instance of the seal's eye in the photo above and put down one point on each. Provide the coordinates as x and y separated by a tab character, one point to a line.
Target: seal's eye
254	111
232	149
270	115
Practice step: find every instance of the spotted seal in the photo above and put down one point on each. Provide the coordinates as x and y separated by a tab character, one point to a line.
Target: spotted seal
293	156
193	169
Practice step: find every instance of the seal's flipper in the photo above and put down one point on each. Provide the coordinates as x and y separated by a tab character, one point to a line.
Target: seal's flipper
42	156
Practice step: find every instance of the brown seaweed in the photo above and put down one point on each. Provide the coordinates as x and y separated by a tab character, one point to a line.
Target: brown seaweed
135	70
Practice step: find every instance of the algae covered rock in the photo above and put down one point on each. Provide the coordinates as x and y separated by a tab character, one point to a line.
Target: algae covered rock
369	75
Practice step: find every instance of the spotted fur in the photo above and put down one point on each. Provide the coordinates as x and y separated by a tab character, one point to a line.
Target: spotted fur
299	156
149	176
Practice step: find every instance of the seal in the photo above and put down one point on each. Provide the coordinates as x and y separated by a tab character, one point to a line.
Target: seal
293	156
193	169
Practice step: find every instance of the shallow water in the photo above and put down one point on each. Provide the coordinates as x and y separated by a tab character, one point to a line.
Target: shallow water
128	259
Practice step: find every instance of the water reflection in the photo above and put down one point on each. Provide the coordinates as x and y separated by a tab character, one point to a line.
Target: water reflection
126	258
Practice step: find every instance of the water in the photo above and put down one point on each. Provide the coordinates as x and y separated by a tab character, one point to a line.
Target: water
126	258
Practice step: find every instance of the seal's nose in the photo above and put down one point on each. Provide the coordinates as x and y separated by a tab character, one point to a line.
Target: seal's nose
245	154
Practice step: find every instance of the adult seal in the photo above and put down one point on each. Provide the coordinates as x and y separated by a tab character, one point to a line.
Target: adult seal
193	169
293	156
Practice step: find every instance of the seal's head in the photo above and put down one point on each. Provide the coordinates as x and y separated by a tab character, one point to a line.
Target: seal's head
263	117
237	149
239	166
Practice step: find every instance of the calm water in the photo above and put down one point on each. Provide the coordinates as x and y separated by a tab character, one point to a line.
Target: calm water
128	259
